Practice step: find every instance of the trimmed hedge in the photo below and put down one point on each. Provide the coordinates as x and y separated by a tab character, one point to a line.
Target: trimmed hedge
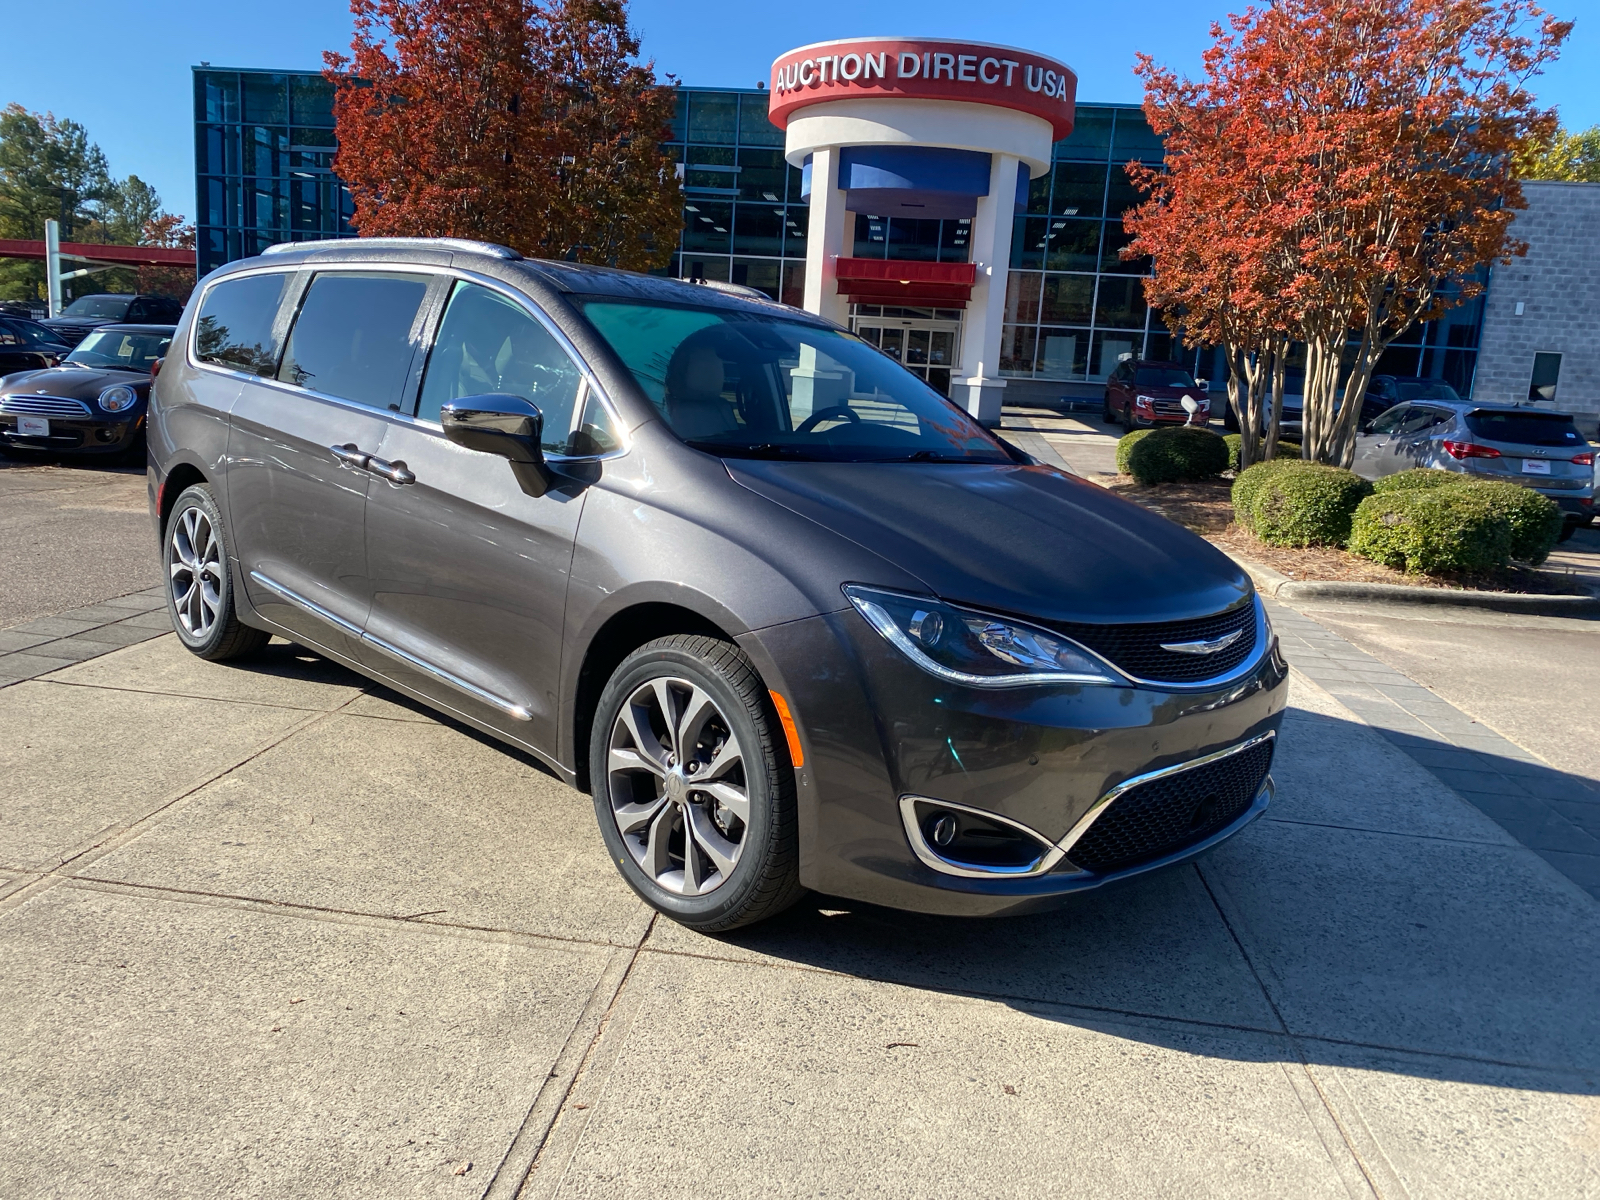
1306	504
1249	483
1235	442
1534	522
1172	454
1414	479
1431	530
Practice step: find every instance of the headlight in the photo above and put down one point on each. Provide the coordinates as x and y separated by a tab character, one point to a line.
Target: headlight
119	398
974	648
1144	401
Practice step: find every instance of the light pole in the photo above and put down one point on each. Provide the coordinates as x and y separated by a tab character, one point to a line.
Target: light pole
52	265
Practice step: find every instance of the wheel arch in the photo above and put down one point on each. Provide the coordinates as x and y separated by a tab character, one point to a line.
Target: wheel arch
179	478
621	633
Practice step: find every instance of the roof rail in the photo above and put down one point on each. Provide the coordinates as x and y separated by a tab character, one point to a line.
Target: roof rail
733	289
397	243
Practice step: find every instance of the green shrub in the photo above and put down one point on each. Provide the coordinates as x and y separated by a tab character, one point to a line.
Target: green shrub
1235	450
1417	477
1125	445
1534	521
1251	481
1431	530
1306	504
1172	454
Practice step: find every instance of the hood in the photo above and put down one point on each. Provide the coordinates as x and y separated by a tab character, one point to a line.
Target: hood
76	322
1024	540
1166	392
74	383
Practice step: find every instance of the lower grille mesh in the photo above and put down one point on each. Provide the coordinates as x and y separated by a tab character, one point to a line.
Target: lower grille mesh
1166	815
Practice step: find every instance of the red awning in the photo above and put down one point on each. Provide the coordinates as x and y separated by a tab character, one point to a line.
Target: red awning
898	281
130	256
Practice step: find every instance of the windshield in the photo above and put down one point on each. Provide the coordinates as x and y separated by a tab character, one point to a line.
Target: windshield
128	351
1525	428
1424	389
115	307
748	385
1175	377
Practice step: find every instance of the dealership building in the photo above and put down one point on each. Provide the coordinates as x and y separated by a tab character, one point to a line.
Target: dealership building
950	201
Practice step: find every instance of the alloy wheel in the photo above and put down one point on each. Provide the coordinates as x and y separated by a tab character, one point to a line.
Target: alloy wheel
196	573
677	786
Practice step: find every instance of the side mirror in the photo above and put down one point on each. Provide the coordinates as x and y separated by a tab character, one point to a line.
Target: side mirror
507	426
1370	425
1203	383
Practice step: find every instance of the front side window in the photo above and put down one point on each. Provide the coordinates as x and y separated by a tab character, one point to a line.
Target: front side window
489	344
1390	421
355	336
746	384
113	307
234	329
120	350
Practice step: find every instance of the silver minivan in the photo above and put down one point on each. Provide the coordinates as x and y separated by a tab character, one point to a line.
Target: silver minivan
1537	448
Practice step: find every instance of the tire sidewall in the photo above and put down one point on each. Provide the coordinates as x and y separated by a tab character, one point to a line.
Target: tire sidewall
199	496
763	784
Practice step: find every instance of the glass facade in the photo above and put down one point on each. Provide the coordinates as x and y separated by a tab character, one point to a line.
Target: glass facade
264	144
263	157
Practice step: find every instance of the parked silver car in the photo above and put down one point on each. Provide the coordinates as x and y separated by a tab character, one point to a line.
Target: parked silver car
1534	447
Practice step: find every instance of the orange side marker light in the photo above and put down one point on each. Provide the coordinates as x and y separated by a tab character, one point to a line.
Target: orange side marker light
796	755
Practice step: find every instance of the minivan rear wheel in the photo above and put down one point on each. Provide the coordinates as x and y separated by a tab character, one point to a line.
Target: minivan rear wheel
194	560
692	784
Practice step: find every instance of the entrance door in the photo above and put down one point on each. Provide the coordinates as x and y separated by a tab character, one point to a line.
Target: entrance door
928	346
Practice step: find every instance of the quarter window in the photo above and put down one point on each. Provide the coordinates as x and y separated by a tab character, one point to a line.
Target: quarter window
235	325
355	336
488	344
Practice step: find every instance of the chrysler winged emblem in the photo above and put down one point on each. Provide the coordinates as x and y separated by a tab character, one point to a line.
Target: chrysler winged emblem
1203	647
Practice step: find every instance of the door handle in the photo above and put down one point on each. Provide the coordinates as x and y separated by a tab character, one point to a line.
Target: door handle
351	455
394	472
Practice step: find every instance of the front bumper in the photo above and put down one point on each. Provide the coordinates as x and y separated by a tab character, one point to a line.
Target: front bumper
879	732
102	433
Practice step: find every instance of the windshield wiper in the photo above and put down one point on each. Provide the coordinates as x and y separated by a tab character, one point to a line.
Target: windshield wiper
755	450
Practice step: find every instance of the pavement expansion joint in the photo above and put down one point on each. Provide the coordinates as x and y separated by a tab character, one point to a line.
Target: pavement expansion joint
1405	835
320	912
138	691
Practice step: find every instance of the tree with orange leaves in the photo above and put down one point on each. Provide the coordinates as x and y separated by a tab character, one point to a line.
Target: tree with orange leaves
510	122
1361	175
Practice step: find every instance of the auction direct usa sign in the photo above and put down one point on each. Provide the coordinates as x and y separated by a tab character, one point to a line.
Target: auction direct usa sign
916	68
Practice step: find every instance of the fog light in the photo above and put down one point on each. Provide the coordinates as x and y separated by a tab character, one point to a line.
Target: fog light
943	830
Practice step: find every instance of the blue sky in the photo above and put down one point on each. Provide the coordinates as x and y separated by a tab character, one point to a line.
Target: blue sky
122	69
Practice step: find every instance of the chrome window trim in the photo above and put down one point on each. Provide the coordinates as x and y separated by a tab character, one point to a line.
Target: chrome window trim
1075	834
192	360
948	866
509	707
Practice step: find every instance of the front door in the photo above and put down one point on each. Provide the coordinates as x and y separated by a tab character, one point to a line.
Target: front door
298	481
1372	456
929	345
469	572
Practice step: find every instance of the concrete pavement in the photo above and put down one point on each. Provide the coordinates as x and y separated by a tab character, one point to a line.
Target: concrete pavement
270	930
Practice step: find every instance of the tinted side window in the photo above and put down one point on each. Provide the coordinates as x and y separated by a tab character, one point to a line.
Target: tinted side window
235	325
1390	421
487	344
355	336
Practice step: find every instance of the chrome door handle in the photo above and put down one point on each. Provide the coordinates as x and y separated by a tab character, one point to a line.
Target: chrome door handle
351	455
394	472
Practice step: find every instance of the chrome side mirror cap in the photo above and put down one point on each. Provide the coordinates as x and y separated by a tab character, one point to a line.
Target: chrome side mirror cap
504	425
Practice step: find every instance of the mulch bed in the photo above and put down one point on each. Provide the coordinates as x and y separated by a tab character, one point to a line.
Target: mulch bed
1206	508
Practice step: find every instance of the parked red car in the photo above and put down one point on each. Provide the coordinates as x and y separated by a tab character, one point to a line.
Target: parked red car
1140	392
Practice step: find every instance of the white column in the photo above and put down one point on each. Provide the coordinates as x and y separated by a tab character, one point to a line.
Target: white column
982	390
52	265
825	238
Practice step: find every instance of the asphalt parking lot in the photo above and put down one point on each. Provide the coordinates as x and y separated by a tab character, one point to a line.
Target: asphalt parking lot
270	930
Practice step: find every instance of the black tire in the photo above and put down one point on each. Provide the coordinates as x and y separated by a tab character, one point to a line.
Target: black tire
206	623
1568	528
765	877
1106	415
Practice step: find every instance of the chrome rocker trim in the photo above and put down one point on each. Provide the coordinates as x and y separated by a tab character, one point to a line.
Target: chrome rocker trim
509	707
1053	854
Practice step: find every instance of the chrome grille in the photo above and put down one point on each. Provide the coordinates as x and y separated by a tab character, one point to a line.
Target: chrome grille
44	406
1138	649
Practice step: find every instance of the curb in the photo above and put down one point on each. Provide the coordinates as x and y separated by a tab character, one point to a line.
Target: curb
1281	587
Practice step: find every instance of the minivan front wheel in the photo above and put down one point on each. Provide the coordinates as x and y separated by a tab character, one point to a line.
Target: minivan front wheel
692	785
194	560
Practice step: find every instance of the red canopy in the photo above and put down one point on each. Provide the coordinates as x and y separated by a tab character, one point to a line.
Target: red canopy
122	256
899	281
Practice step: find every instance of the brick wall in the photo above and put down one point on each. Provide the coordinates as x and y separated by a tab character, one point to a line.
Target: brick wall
1558	285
